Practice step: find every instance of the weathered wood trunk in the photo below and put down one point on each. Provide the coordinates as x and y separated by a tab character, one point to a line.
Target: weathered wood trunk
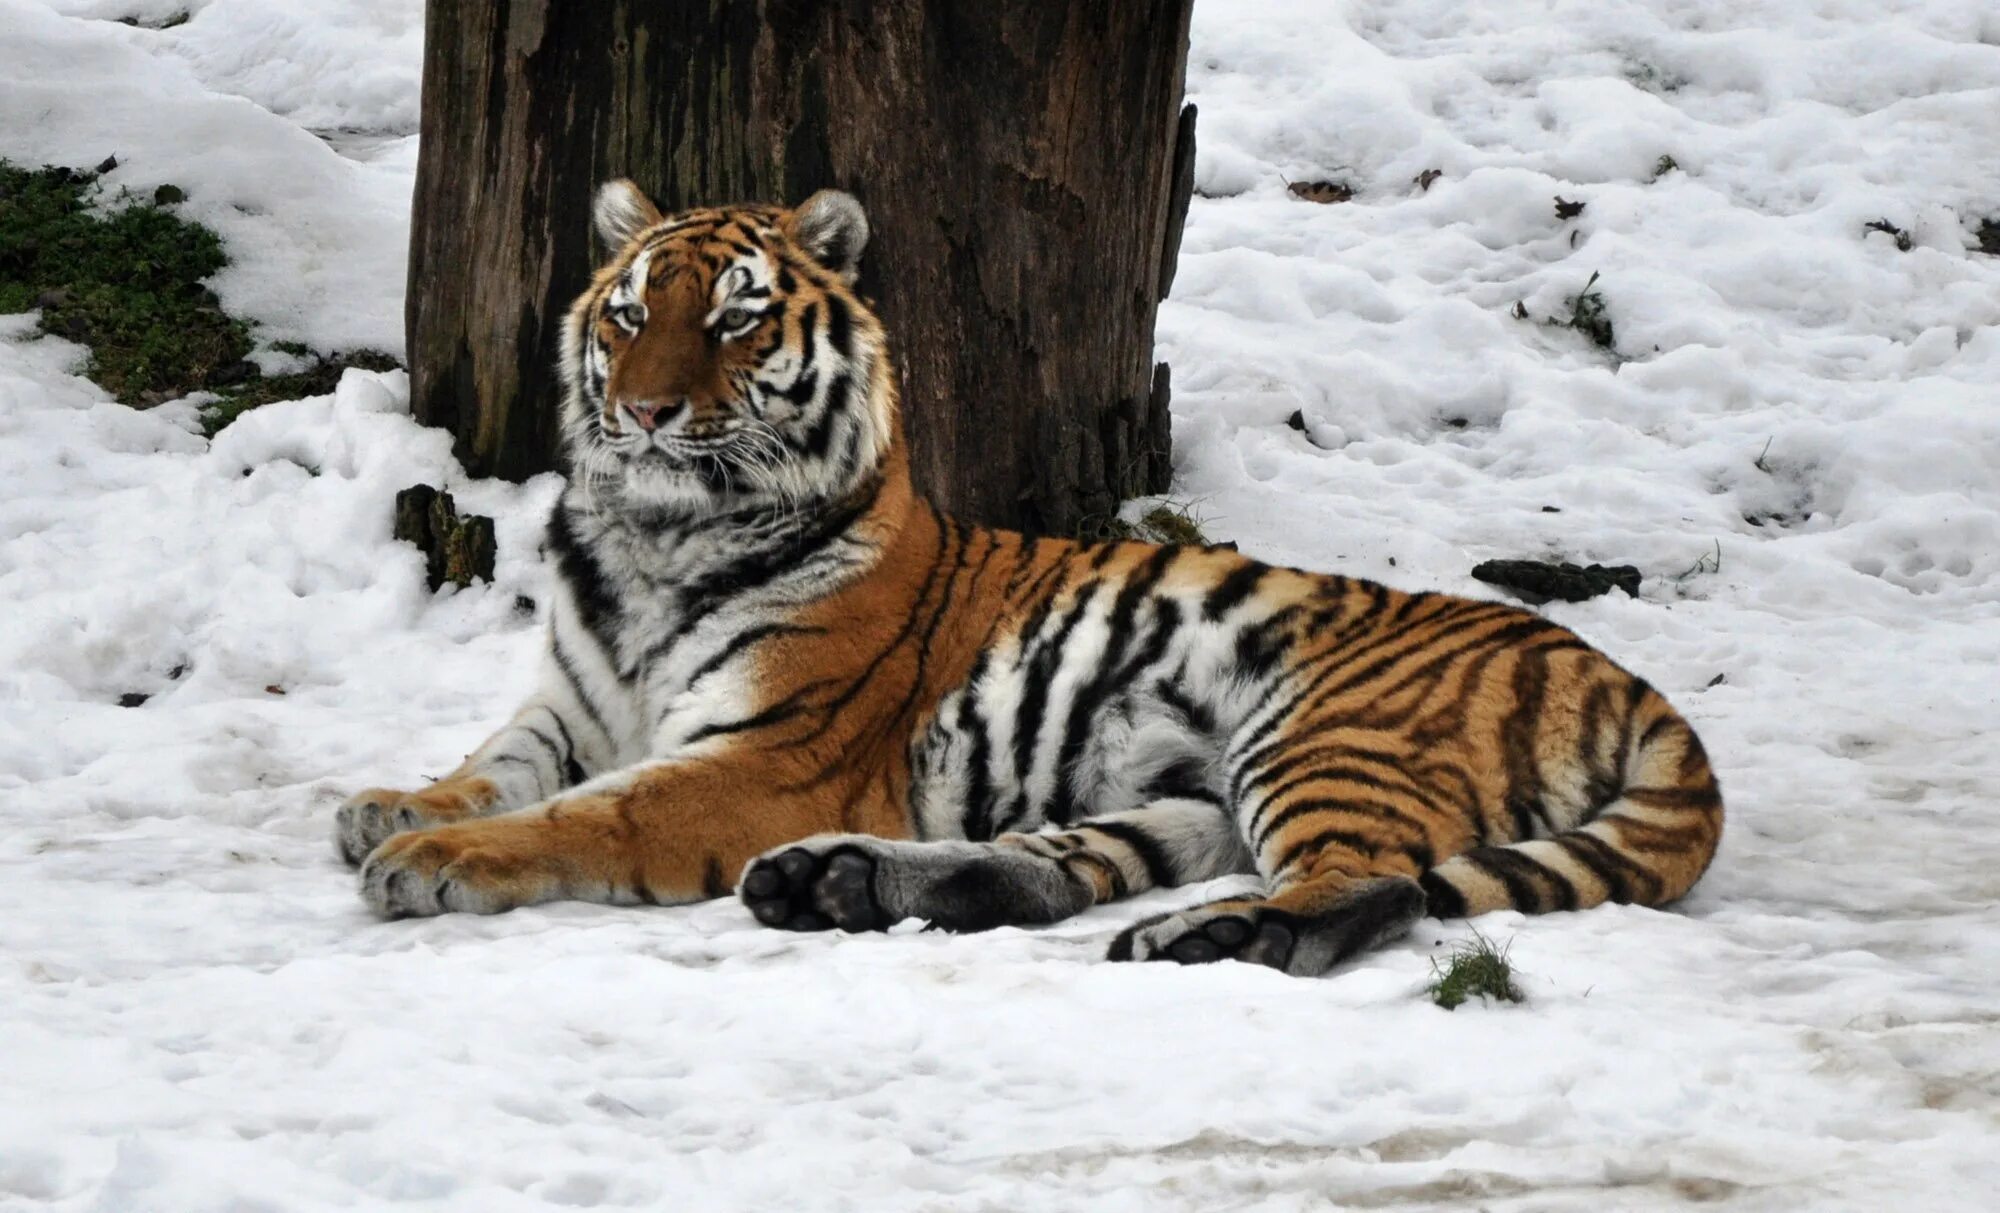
1025	165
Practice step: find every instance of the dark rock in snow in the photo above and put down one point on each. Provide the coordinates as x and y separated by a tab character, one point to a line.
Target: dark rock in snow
1537	581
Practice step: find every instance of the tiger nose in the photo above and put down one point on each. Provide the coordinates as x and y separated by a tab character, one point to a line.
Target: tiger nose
652	414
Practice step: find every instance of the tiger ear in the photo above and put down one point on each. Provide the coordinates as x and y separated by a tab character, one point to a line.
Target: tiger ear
833	229
621	212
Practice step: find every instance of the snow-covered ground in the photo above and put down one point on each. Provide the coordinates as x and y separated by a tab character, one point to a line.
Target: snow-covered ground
197	1014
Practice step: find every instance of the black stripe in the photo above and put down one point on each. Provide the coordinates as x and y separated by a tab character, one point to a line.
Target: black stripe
1251	747
1602	776
1442	898
1603	861
1042	665
1348	839
1114	672
1232	590
1517	741
743	640
802	388
1158	864
1530	868
1183	779
839	326
808	334
1024	561
777	713
962	536
548	743
1498	862
1438	651
830	712
1196	715
820	436
977	822
597	604
583	700
1674	798
1335	774
1646	739
1311	755
754	570
1262	646
1377	810
572	772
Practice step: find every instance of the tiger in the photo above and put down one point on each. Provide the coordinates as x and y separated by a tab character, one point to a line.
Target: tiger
774	669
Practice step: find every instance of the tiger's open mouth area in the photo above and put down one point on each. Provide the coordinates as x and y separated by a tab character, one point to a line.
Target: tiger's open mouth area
1701	288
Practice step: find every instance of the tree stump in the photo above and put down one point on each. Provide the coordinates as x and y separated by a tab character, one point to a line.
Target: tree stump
458	549
1025	164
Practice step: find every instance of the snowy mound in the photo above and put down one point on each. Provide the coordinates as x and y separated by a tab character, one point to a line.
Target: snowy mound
1778	399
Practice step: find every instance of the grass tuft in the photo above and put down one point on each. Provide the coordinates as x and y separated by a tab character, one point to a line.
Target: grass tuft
1168	523
1589	315
1476	968
1708	562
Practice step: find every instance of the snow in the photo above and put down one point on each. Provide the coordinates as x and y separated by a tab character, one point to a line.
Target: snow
196	1013
317	241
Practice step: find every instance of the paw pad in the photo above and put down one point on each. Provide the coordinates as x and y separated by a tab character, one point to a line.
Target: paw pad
797	890
1194	937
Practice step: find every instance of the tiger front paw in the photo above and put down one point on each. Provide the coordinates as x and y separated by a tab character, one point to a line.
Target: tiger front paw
451	868
369	818
373	816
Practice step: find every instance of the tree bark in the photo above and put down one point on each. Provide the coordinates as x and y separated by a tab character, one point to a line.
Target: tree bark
1025	165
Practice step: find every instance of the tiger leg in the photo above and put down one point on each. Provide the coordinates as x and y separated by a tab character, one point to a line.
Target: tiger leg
549	745
860	883
662	834
368	817
1341	850
1303	928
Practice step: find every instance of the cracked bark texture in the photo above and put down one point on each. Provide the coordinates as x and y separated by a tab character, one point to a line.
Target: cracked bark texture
1025	164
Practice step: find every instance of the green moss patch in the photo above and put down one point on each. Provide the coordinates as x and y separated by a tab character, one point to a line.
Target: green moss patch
125	281
316	380
123	276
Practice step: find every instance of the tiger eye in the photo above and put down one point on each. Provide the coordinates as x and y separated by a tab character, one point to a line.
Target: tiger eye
732	319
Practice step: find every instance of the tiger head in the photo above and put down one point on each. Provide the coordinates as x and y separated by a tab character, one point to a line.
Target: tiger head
722	360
